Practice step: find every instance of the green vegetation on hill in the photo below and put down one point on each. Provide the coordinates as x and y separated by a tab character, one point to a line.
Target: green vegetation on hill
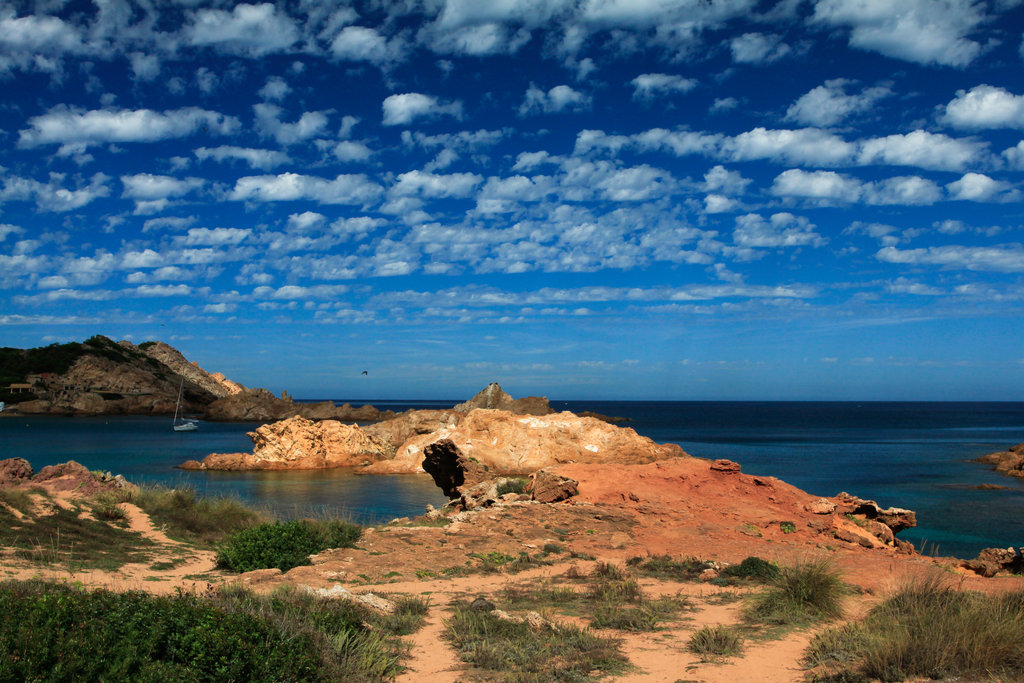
56	632
15	364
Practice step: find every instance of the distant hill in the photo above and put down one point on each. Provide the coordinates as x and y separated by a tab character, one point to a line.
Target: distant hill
101	376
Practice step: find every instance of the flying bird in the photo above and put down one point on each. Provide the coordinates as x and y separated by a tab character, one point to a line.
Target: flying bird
365	372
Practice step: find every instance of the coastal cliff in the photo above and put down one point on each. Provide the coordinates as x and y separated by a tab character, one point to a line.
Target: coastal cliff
103	377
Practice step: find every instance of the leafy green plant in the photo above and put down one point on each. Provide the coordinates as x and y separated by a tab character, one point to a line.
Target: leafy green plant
715	641
753	568
283	545
787	527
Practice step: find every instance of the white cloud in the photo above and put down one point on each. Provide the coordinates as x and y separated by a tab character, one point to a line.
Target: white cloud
985	106
344	189
489	38
977	187
357	227
146	67
922	31
829	105
923	149
251	30
809	146
401	110
214	237
364	44
435	185
7	229
268	121
54	196
1005	258
276	89
262	159
649	86
306	221
720	179
780	230
904	190
1015	156
822	185
758	48
348	150
146	186
558	98
76	129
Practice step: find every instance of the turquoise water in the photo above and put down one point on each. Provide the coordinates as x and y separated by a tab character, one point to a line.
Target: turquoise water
913	455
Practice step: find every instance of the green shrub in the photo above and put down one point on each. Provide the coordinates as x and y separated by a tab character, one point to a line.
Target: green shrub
663	566
512	485
804	593
283	545
715	641
753	568
927	629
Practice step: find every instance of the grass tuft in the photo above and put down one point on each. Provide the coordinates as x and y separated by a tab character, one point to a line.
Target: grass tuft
188	517
802	594
931	630
715	641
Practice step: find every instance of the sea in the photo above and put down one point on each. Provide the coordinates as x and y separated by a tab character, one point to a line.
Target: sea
910	455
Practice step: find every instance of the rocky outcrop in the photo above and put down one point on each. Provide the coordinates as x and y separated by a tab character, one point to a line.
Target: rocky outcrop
260	405
1009	462
895	519
397	430
506	443
492	397
450	469
300	444
68	477
992	561
216	383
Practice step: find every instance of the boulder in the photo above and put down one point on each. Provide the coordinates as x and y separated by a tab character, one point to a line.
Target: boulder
550	487
450	469
726	466
506	443
74	477
301	444
821	506
15	471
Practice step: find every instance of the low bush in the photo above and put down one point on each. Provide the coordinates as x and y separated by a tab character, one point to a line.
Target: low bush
753	568
715	641
928	629
512	485
283	545
800	594
663	566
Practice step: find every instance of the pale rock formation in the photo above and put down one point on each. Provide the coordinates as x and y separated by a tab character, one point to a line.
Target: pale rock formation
492	397
215	383
300	444
506	443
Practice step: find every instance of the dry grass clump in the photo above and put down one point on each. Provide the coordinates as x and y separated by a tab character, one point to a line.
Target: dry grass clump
801	594
186	516
932	630
715	641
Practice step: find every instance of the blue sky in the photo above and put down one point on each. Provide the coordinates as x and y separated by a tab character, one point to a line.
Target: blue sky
701	199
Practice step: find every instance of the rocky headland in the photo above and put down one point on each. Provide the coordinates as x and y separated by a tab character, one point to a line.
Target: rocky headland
1009	462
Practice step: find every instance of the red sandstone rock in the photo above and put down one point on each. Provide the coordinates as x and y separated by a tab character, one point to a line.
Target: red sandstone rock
549	487
727	466
14	471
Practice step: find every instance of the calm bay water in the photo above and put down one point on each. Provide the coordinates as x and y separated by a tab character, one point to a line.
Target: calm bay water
913	455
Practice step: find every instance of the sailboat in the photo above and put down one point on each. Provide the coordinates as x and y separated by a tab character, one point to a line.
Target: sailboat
181	424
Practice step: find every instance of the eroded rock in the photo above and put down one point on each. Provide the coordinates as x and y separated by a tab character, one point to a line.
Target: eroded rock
15	471
550	487
991	561
1009	462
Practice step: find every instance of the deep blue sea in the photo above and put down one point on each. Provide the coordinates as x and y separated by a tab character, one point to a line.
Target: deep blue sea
913	455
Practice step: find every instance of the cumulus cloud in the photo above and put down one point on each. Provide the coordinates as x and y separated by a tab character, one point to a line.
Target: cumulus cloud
436	185
153	192
779	230
758	48
829	105
262	159
831	187
558	98
6	229
344	189
802	146
309	125
401	110
985	106
250	30
1005	258
720	179
349	150
214	237
923	149
276	89
1015	156
649	86
75	129
921	31
53	195
364	44
978	187
487	38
